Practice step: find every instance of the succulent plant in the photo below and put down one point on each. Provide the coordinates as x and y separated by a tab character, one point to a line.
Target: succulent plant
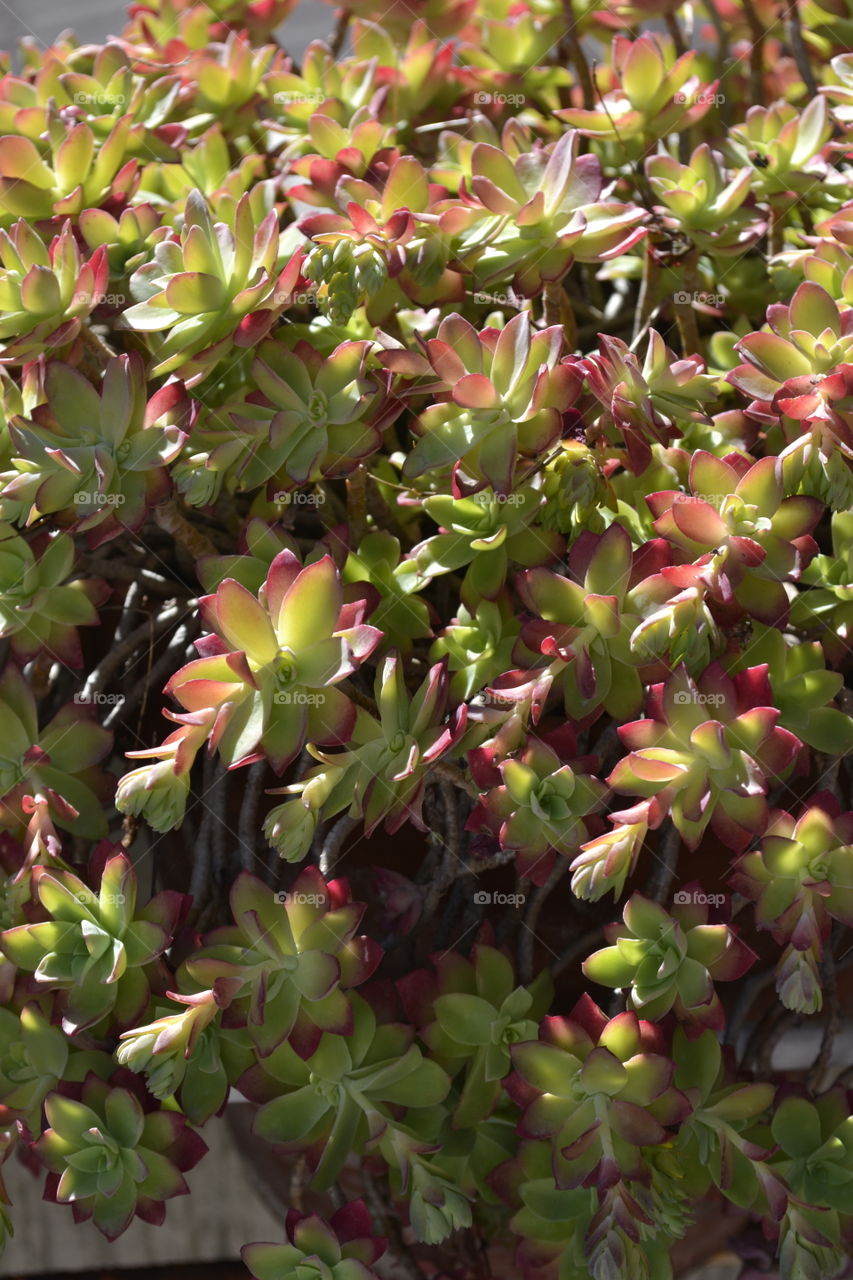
538	807
184	1053
815	1158
799	880
102	456
749	539
344	1248
702	202
706	769
453	430
39	609
327	415
77	171
599	1091
211	289
112	1156
46	292
54	767
583	624
670	960
653	93
487	535
34	1059
284	967
94	948
503	396
339	1098
537	213
266	678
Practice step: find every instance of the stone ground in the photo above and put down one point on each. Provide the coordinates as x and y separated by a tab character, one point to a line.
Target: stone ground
95	19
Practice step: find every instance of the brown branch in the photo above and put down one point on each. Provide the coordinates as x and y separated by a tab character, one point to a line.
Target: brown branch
756	53
572	50
173	521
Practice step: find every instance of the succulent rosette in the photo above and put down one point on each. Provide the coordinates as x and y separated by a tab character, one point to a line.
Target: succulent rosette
800	364
39	608
269	668
33	1060
582	626
670	960
328	414
645	403
101	455
342	1096
653	93
214	288
706	769
55	768
76	172
96	948
598	1090
736	522
799	880
536	213
487	535
538	808
478	644
503	397
344	1248
386	770
45	291
469	1013
702	201
284	967
112	1155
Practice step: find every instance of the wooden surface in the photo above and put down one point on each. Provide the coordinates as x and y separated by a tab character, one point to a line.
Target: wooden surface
222	1213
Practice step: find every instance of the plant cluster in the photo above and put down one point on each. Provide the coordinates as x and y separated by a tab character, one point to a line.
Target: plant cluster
451	434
